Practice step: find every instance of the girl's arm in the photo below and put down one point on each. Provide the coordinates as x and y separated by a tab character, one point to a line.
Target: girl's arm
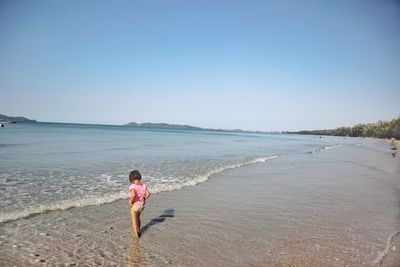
133	194
147	194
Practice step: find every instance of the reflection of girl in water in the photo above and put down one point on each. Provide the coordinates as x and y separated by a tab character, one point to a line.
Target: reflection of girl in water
135	255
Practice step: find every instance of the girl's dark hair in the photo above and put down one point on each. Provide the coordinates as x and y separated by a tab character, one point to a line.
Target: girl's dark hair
134	175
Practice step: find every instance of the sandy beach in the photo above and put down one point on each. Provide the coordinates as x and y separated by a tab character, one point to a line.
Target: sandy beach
337	207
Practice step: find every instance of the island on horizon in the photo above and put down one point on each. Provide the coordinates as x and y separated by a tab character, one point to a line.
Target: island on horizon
163	125
190	127
9	119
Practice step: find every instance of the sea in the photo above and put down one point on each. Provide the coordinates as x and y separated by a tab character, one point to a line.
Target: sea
291	200
52	166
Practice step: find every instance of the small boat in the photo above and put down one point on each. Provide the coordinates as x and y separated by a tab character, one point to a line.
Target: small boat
1	125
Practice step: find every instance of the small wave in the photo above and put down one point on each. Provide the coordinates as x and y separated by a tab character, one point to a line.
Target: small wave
329	147
123	194
389	248
204	177
63	205
108	178
322	148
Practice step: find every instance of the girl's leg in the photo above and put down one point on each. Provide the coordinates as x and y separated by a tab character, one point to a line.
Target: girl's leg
134	222
137	224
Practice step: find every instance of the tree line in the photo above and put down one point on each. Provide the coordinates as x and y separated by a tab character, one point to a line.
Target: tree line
381	129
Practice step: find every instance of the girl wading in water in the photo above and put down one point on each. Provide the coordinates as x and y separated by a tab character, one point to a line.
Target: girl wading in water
139	194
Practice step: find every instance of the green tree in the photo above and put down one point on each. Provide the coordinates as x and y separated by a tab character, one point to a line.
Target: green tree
381	129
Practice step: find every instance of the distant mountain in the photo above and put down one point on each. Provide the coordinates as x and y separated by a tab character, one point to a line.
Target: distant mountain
4	118
163	125
187	127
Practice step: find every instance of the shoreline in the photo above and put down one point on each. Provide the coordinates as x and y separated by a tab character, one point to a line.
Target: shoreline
265	214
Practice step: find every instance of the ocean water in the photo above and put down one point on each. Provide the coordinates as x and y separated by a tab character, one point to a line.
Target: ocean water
52	166
271	200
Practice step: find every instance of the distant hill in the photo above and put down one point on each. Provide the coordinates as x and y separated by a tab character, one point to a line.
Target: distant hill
187	127
163	125
4	118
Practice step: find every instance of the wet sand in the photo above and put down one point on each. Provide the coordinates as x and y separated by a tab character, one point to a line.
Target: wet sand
338	207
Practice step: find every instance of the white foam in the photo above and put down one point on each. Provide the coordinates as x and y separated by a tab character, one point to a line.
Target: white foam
322	148
389	248
123	194
64	204
108	178
329	147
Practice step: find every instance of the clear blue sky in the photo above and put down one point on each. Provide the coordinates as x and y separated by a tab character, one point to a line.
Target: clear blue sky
262	65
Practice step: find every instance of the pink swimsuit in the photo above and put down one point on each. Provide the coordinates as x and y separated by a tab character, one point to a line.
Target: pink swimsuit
140	190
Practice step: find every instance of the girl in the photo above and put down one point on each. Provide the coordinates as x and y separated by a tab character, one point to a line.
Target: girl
139	194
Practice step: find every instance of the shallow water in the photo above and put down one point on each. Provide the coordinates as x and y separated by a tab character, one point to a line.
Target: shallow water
50	166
